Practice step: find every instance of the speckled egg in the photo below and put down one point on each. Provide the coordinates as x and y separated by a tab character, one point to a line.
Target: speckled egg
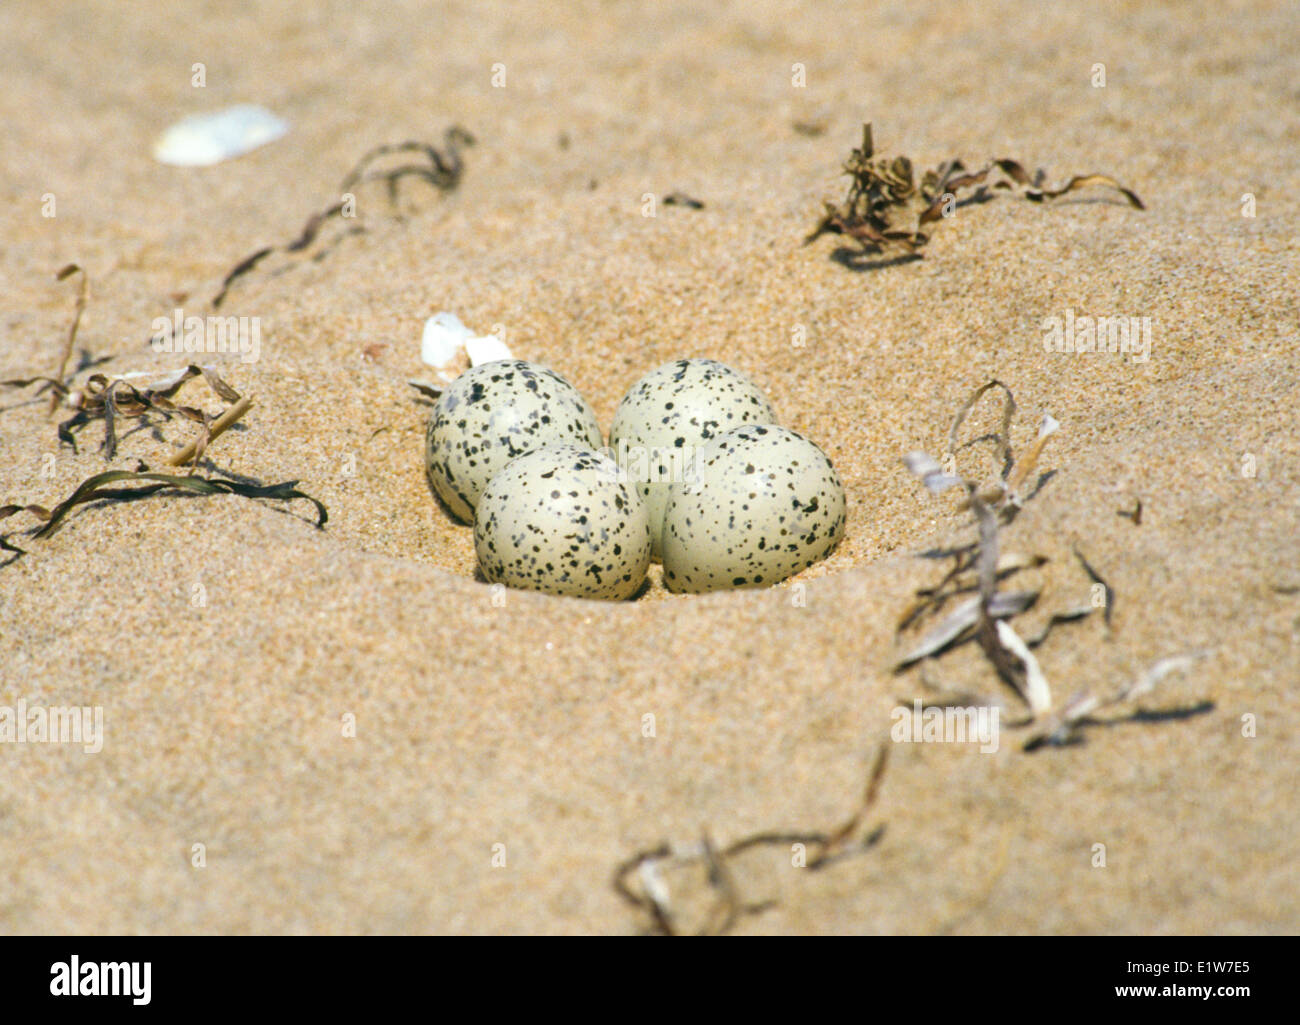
490	415
560	520
672	411
765	504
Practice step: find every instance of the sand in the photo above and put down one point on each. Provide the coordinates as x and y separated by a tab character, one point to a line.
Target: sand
229	642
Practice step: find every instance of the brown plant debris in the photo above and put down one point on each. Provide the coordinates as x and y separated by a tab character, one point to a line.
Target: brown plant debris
441	169
725	906
886	208
56	382
429	391
82	295
96	488
976	566
106	398
985	616
193	452
1063	726
1134	514
682	199
1108	610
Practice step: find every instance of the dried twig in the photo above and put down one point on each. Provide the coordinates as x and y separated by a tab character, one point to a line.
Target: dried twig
195	449
986	616
682	199
1134	514
1064	725
1109	610
56	383
82	294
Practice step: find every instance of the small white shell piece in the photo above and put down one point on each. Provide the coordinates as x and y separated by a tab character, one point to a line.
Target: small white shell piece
444	338
486	349
202	140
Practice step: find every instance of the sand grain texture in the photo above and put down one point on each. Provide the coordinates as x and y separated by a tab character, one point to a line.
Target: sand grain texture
521	725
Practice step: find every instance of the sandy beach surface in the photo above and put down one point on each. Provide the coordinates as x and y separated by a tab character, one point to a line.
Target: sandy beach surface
340	730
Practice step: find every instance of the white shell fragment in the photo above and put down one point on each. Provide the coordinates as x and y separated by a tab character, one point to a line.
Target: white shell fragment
445	336
202	140
486	349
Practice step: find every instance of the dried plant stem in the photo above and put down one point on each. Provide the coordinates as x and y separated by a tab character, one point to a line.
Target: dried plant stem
71	340
225	420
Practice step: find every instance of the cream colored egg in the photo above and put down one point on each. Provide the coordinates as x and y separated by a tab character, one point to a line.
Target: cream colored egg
667	415
764	504
492	414
560	520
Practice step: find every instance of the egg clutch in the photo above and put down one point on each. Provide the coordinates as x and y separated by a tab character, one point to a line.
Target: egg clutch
697	474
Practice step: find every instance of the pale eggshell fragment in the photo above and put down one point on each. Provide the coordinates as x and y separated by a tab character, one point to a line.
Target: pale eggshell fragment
486	349
201	140
444	336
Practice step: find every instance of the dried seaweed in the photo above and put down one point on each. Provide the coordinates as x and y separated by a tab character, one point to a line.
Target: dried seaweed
1064	726
961	580
106	398
961	623
441	169
977	566
682	199
82	295
1009	655
239	270
429	391
886	207
1057	618
728	905
96	488
811	129
1003	437
1096	578
985	616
